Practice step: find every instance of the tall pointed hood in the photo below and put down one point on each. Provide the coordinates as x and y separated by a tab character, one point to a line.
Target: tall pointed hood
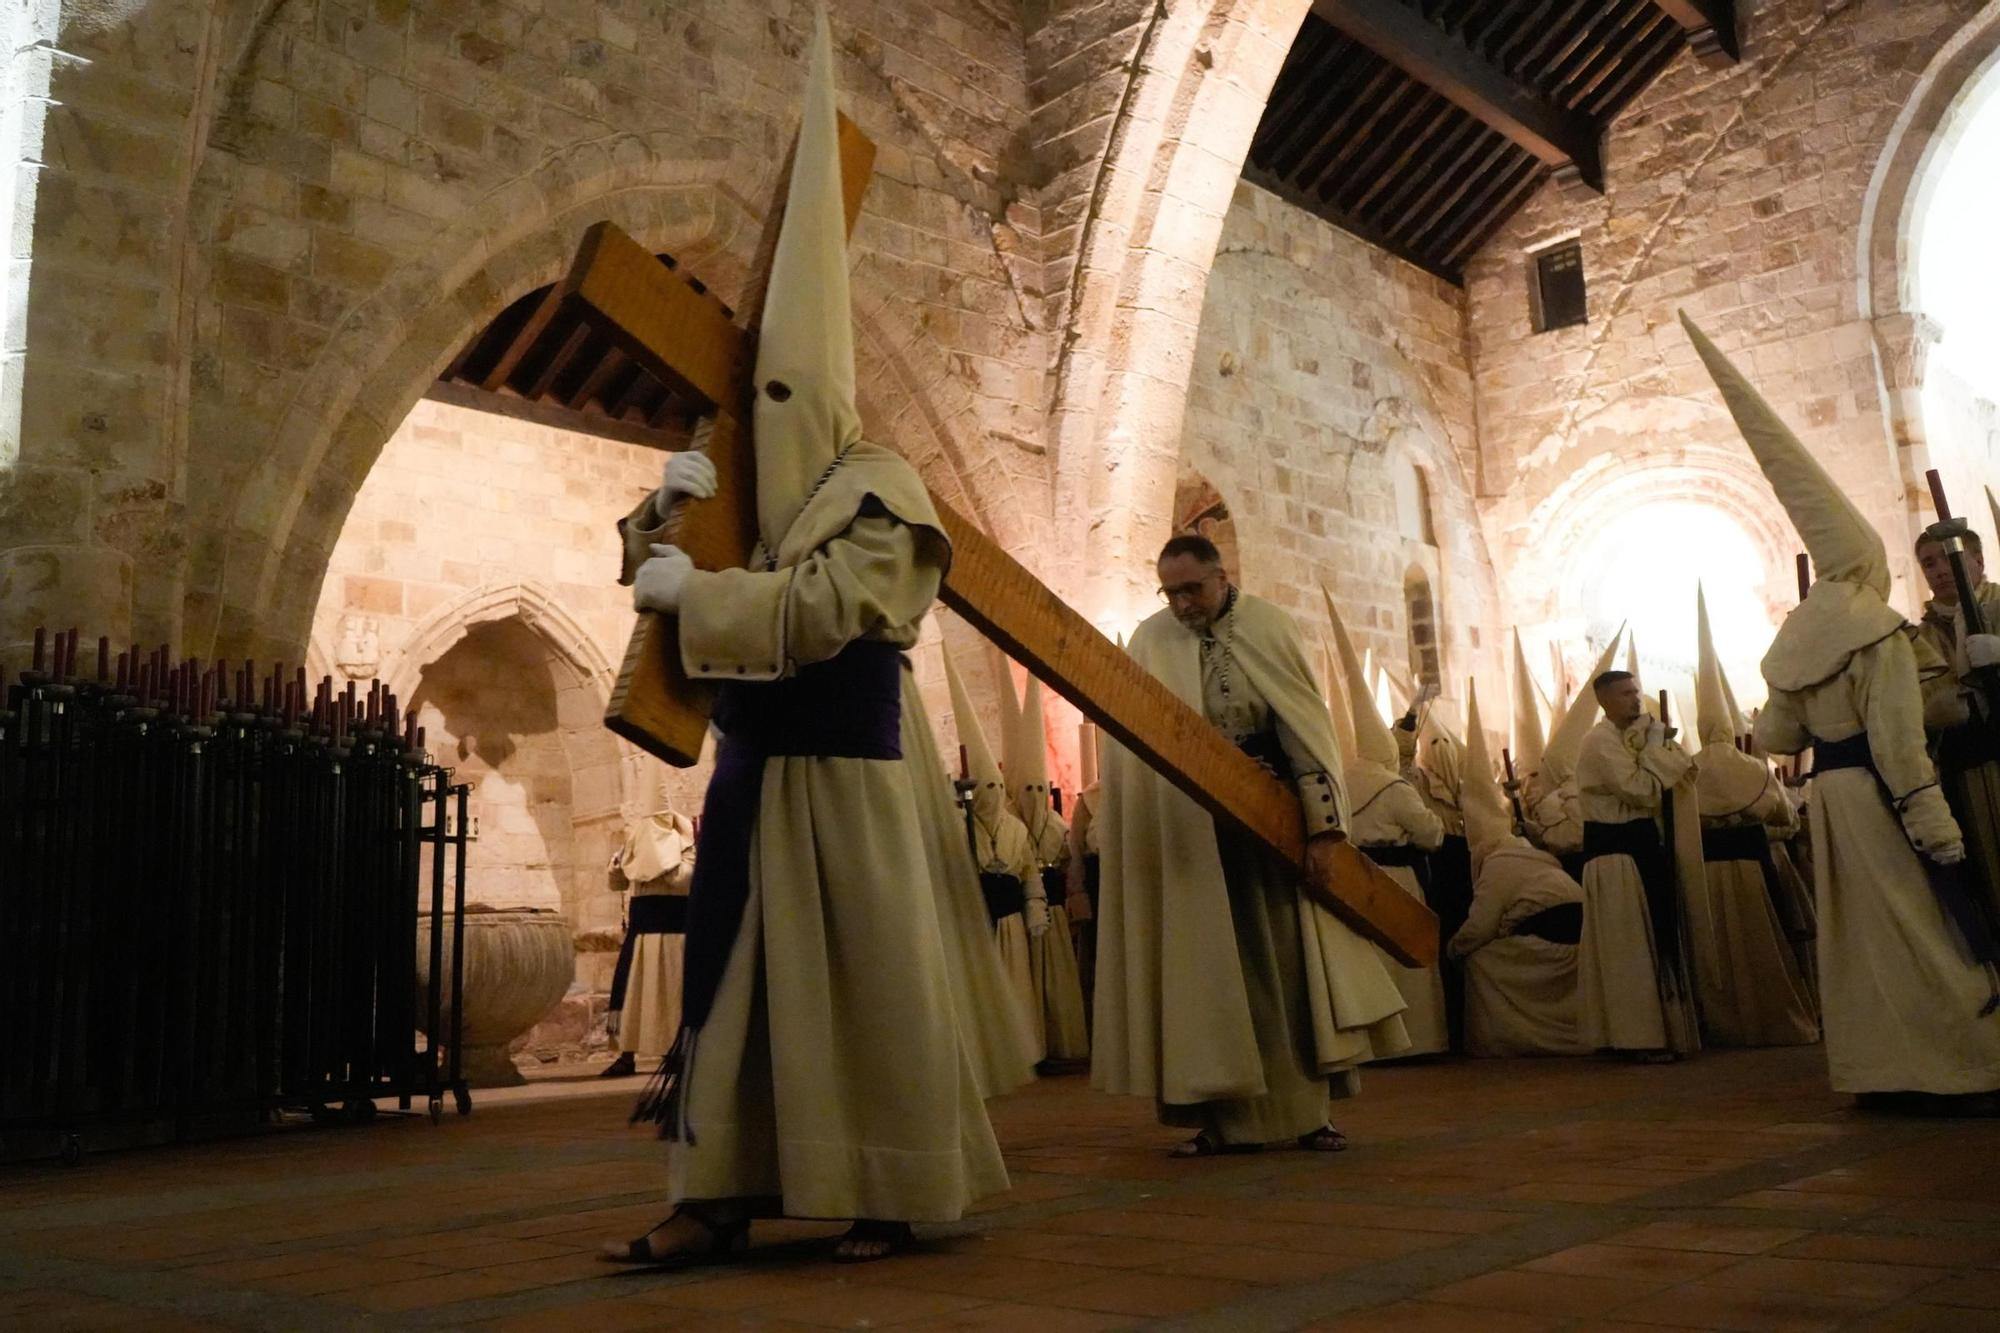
1993	509
1565	743
989	797
805	413
1528	741
1338	706
1372	742
1024	751
1489	823
1714	716
1844	547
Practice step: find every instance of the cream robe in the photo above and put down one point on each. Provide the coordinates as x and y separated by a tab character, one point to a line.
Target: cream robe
1520	990
1755	995
1622	1003
1000	844
1899	998
1199	970
657	859
831	1078
996	1034
1389	812
1052	957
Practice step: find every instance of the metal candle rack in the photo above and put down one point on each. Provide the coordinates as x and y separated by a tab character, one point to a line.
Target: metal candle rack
209	888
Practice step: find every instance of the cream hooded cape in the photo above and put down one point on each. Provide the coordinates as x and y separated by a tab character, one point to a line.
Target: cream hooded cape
1173	1019
1520	990
1385	811
1051	956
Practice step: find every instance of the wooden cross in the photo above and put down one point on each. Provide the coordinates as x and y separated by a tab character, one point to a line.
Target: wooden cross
662	320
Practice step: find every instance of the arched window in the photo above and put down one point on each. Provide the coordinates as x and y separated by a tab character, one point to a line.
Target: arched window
1413	503
1425	631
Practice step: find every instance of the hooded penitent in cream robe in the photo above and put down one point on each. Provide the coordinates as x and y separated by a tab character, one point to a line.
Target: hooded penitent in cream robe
1549	800
995	1031
1968	763
1223	992
1390	820
1437	774
1900	997
657	861
1051	955
822	1071
1519	942
1753	994
1644	917
1086	863
1004	855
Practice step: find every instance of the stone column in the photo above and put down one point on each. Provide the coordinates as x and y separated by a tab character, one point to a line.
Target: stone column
53	572
1903	343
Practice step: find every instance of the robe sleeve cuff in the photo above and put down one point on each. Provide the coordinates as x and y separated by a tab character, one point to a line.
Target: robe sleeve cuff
1317	800
732	625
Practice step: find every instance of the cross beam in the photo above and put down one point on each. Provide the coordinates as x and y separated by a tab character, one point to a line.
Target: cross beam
1710	26
1399	34
691	343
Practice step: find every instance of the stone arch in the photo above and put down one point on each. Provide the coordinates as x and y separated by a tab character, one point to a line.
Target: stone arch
283	518
536	606
1205	71
1548	580
1964	72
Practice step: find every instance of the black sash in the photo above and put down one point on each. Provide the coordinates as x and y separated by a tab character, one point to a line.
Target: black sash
1005	895
1560	924
1640	840
1093	877
848	707
648	914
1055	884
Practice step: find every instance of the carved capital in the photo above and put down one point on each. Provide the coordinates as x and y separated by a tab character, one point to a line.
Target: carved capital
1905	340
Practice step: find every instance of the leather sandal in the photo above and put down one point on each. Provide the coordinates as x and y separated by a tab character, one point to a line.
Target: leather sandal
1324	1139
893	1237
726	1241
1210	1144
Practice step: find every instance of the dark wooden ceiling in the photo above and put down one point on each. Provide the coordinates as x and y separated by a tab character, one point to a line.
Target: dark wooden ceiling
540	360
1421	125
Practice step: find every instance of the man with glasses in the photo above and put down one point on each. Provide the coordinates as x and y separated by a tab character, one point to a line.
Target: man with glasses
1223	992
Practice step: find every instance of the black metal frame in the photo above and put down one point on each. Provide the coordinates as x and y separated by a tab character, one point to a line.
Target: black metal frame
208	910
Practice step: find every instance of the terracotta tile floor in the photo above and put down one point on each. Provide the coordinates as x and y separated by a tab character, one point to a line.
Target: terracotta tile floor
1732	1192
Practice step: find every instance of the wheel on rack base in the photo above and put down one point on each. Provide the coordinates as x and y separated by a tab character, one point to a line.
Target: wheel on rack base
463	1096
437	1109
321	1113
71	1150
360	1110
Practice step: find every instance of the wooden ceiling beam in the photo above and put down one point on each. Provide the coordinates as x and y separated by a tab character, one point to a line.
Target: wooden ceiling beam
1710	26
1559	137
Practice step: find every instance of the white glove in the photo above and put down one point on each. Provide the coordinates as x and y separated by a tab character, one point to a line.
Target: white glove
657	586
688	473
1982	650
1928	824
1036	915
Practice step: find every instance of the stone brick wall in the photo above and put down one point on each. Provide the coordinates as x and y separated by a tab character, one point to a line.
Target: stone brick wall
1741	195
1327	374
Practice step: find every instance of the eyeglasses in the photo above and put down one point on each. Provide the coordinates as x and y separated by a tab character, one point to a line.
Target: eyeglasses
1184	591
